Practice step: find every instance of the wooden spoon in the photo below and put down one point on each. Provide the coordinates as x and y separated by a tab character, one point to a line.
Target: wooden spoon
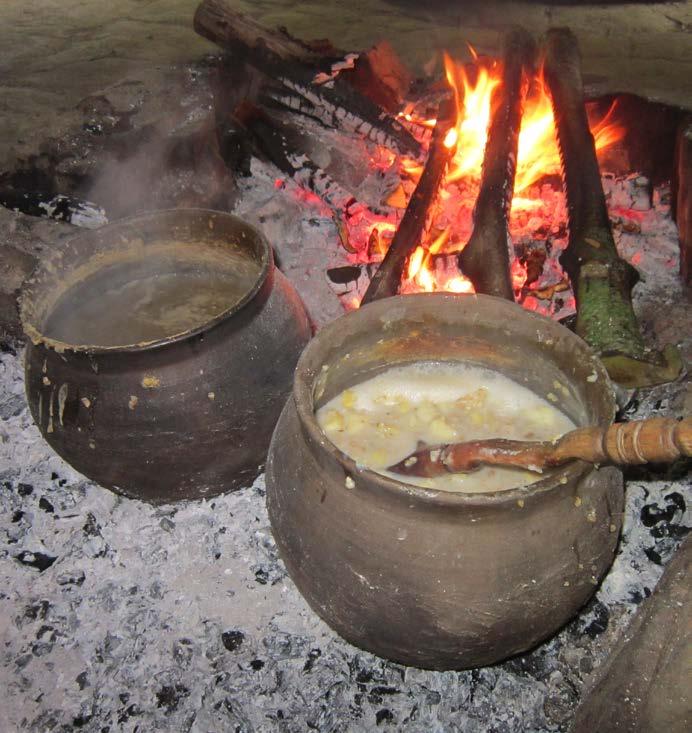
657	440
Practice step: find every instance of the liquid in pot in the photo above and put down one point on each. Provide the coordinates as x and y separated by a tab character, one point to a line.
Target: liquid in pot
381	420
160	296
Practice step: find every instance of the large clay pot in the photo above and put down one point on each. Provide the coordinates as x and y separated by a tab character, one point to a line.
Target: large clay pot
430	578
185	416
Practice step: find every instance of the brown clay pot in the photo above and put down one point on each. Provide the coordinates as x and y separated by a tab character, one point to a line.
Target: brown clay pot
430	578
182	417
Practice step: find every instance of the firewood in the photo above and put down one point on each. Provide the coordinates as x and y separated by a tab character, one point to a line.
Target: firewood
485	259
602	281
380	75
218	22
280	143
336	105
387	280
54	206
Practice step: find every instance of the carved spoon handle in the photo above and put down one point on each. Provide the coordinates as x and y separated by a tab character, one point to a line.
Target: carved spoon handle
657	440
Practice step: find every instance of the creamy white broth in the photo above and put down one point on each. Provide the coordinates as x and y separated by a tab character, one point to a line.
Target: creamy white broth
381	420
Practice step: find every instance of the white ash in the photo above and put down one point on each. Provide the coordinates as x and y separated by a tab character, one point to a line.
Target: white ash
182	617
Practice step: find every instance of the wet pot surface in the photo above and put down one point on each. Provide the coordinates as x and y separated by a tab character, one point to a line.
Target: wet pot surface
430	578
162	348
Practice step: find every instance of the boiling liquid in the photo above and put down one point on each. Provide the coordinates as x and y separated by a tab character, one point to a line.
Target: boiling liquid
137	303
381	421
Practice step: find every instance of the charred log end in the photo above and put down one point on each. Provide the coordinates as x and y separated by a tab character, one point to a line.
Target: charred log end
380	75
485	259
387	280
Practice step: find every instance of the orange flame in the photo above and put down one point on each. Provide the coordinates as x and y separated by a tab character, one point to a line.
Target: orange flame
473	114
537	154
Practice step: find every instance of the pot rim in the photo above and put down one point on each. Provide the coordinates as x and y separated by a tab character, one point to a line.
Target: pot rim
37	337
303	400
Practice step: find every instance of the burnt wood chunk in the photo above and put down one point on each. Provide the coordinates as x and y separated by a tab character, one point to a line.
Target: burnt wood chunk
380	75
387	280
293	66
283	145
485	259
55	206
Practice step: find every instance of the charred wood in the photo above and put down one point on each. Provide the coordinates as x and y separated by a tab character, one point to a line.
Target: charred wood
280	143
335	104
485	259
602	281
380	75
387	280
217	21
55	206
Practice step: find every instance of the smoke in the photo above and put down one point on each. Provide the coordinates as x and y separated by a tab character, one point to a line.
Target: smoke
157	168
157	148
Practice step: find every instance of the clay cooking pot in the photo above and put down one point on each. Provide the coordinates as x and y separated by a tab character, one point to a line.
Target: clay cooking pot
431	578
182	416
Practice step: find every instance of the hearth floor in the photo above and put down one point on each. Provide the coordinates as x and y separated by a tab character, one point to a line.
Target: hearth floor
121	616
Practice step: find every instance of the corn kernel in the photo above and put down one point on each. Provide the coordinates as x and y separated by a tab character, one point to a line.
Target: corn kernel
476	418
441	430
353	422
403	405
333	422
348	398
379	459
543	415
426	412
473	399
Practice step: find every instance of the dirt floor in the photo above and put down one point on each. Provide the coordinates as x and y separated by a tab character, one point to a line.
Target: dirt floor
53	53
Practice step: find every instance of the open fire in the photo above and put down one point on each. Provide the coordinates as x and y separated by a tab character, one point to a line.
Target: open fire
475	87
453	185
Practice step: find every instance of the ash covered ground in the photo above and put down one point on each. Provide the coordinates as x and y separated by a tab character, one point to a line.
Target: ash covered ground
118	616
121	616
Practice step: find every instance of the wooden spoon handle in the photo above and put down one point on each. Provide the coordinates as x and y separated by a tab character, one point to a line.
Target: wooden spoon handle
657	440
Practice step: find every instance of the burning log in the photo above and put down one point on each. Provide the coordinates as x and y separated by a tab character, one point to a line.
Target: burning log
387	280
601	280
292	64
485	259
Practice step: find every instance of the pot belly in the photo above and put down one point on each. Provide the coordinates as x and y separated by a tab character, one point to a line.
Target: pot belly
431	585
190	419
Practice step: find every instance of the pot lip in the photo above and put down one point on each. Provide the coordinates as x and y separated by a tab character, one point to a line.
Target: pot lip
38	338
302	398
